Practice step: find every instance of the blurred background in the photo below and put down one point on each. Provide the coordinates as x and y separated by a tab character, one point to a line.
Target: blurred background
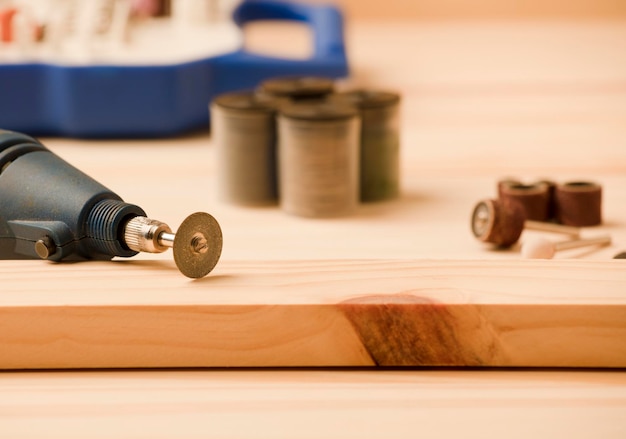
483	9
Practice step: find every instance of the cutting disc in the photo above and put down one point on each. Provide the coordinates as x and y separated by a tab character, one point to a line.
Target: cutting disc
197	245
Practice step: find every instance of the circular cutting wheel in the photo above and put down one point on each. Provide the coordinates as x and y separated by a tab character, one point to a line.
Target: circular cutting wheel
197	245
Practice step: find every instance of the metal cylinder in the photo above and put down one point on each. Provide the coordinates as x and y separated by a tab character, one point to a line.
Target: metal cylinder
244	133
318	152
380	143
144	235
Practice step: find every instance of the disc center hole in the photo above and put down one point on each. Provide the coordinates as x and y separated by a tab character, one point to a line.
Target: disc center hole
199	243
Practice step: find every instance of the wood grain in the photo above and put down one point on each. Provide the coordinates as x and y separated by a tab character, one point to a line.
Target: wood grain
309	404
316	313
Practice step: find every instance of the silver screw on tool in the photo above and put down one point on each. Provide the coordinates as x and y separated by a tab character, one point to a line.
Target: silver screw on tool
197	244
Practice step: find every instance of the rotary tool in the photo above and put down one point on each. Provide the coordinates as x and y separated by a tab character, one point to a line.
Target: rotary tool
51	210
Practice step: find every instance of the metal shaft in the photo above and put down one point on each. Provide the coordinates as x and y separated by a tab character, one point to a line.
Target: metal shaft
576	243
551	227
166	239
148	235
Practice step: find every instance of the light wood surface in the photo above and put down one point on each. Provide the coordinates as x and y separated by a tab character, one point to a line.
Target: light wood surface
313	403
310	404
320	313
480	101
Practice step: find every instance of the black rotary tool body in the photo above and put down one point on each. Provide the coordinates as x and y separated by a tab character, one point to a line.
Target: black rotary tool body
51	210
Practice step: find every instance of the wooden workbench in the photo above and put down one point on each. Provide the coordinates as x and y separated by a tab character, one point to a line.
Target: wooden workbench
480	101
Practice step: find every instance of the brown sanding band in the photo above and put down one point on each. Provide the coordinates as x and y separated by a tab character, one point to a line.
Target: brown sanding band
579	203
534	199
506	224
505	182
551	185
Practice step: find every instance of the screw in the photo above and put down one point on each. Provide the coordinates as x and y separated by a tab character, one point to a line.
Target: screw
199	243
45	247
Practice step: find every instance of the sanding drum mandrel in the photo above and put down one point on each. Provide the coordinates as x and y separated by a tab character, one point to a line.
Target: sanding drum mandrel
578	203
502	221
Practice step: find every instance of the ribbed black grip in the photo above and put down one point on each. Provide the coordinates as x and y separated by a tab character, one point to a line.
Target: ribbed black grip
104	225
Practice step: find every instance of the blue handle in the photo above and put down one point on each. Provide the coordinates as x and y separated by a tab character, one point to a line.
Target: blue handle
326	22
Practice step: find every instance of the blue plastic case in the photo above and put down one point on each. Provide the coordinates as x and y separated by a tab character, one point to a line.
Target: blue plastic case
106	101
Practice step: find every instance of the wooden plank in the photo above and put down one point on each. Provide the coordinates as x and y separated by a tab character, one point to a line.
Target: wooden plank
314	313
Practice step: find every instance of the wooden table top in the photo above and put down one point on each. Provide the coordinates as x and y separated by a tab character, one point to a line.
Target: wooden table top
480	101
